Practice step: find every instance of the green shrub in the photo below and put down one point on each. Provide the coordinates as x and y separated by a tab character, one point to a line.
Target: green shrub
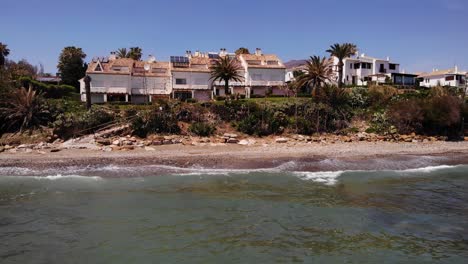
303	126
156	120
407	116
263	123
202	129
48	90
72	124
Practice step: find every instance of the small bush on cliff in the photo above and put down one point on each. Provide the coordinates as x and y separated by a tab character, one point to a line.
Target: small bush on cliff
155	121
202	129
263	123
407	116
72	124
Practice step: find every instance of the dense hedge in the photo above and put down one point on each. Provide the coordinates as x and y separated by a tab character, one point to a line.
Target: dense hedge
48	90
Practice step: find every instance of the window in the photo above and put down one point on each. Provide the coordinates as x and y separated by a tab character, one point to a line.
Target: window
366	65
257	77
450	78
350	65
181	81
254	62
392	66
272	63
357	65
98	67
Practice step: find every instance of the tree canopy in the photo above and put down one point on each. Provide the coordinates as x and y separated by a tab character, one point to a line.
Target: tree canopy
242	50
71	65
132	53
226	69
4	52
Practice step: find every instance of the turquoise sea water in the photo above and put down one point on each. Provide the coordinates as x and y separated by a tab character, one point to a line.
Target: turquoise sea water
286	214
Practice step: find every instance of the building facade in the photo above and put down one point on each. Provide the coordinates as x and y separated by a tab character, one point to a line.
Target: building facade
127	80
360	70
184	77
451	77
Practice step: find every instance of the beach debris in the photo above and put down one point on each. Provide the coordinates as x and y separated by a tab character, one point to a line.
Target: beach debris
232	141
55	150
282	140
247	142
150	149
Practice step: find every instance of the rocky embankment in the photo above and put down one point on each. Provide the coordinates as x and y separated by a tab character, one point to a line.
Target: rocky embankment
127	143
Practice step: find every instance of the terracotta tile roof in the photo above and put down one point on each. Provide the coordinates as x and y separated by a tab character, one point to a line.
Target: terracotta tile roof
438	73
263	61
134	67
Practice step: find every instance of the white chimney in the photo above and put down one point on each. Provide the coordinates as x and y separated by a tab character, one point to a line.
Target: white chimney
222	52
363	55
197	53
456	69
112	56
388	58
151	59
258	52
188	53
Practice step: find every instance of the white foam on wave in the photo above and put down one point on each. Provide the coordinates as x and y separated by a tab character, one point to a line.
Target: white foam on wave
64	177
428	169
331	177
326	177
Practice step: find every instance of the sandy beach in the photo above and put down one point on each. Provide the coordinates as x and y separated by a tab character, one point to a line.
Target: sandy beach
237	156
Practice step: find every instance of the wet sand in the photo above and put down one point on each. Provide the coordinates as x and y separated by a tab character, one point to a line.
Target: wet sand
356	154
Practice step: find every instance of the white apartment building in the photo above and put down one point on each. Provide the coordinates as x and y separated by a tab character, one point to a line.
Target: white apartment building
191	76
184	77
451	77
127	80
263	73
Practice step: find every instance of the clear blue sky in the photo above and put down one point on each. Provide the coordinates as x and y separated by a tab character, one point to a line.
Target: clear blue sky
418	34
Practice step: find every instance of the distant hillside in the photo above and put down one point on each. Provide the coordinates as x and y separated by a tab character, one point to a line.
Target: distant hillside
294	63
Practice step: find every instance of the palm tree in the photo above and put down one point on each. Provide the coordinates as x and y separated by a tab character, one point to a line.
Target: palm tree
135	53
318	70
4	52
23	109
122	53
226	69
342	51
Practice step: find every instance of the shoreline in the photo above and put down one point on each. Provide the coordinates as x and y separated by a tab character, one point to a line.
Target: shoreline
245	157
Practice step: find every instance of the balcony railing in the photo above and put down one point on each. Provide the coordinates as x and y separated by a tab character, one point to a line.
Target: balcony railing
98	89
266	83
192	86
120	90
149	91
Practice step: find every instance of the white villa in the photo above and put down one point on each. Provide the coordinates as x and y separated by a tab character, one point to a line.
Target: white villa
360	69
127	80
451	77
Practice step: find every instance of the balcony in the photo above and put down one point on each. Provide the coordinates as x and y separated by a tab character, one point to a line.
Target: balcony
98	89
191	86
117	90
231	83
266	83
149	91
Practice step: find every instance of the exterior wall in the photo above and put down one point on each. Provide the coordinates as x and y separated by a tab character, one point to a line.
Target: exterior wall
151	85
433	81
265	77
195	80
95	98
